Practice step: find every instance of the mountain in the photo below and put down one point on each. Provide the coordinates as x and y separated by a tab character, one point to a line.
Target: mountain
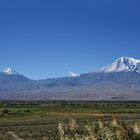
123	64
12	80
117	81
124	70
10	76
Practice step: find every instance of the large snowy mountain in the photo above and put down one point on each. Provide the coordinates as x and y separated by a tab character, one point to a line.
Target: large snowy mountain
123	64
117	81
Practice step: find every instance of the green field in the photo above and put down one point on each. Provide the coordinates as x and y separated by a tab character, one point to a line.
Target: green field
39	120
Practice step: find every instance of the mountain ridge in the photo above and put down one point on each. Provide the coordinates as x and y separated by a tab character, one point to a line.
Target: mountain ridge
122	64
117	81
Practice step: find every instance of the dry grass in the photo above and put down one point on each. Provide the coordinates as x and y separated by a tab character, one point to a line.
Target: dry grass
114	130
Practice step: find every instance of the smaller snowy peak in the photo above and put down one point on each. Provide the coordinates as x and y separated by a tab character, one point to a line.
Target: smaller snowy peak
125	64
10	71
73	74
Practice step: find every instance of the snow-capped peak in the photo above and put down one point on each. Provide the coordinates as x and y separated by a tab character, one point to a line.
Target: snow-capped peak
10	71
125	64
73	74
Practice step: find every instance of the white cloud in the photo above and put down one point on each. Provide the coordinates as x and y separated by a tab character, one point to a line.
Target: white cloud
73	74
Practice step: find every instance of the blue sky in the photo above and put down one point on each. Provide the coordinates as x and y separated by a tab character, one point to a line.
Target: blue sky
48	38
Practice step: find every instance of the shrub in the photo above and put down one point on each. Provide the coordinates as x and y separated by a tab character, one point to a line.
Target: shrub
101	130
5	111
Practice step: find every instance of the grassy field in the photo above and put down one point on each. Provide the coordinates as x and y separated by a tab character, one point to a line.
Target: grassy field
39	120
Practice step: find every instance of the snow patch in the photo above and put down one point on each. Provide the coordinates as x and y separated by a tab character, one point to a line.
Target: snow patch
73	74
10	71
